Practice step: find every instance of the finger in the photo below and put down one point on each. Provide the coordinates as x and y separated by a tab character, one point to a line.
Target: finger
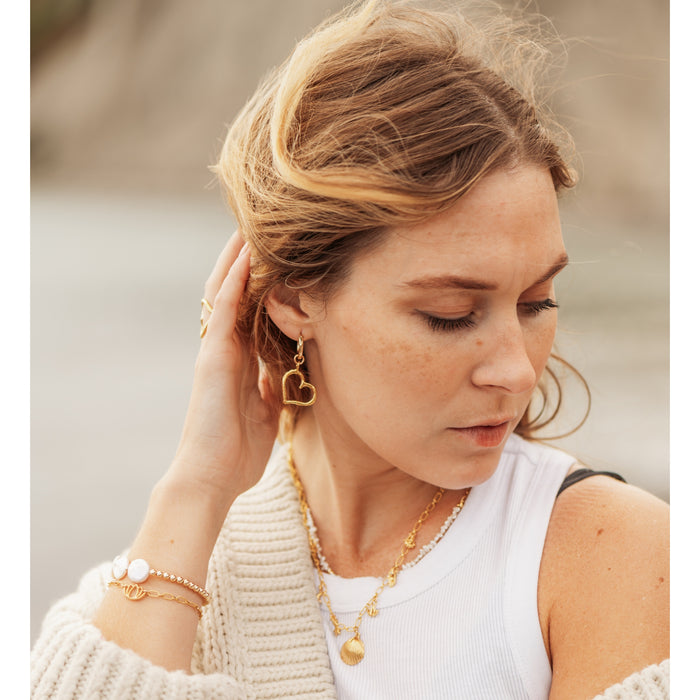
223	264
222	322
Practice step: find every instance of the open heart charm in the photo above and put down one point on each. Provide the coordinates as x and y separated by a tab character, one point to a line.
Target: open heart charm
302	385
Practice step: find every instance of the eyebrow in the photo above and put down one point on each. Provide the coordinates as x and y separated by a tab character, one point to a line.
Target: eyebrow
456	282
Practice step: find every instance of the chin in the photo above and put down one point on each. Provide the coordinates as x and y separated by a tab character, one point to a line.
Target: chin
466	472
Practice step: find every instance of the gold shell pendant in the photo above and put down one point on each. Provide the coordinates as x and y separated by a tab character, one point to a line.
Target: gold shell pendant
353	651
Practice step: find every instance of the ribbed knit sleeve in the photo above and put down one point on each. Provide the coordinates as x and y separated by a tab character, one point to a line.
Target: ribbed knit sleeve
71	659
651	683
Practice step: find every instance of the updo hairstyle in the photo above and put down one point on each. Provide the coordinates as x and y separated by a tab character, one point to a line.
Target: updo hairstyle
383	116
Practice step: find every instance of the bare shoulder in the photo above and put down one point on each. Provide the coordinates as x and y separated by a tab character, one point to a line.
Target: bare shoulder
604	586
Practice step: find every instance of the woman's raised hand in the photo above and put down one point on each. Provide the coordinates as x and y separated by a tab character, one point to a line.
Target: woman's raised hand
231	423
227	438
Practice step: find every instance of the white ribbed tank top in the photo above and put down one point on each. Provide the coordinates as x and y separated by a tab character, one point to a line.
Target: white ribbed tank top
463	622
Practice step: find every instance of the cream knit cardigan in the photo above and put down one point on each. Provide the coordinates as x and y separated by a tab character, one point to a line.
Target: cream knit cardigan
261	636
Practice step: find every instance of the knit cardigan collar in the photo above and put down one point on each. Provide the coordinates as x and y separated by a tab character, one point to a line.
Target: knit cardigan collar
264	626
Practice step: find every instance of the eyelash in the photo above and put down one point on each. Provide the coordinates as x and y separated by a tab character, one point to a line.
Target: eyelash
453	324
535	307
450	324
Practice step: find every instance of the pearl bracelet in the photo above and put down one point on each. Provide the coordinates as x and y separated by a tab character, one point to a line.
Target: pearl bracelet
139	570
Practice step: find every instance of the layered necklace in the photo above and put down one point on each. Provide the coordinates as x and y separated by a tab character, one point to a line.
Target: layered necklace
353	650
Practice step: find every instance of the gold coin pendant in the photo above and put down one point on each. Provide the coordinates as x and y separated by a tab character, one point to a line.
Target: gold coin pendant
353	651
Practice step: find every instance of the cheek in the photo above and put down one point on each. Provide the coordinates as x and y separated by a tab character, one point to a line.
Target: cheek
540	346
389	363
421	365
380	368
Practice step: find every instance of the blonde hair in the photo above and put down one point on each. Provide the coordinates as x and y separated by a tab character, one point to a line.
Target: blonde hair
383	116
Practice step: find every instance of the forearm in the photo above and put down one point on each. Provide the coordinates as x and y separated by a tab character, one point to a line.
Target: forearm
177	536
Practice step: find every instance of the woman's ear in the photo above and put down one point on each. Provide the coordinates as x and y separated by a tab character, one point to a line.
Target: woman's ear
288	310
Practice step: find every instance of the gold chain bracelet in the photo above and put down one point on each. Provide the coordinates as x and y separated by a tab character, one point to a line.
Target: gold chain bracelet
139	571
133	591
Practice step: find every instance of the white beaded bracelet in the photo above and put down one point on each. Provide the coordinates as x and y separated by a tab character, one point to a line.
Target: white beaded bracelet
139	570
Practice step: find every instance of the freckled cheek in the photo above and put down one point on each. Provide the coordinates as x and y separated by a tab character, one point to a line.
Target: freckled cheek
390	360
355	354
412	373
391	366
540	348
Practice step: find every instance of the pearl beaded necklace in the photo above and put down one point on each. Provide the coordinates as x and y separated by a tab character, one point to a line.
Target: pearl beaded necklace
311	526
445	527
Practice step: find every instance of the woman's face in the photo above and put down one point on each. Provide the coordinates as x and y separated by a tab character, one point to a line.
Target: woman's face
426	357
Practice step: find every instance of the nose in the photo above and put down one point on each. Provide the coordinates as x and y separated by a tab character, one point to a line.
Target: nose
505	363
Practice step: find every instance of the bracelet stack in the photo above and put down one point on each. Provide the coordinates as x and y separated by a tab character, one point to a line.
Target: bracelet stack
139	571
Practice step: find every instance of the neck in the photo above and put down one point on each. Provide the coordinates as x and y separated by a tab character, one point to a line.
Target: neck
363	507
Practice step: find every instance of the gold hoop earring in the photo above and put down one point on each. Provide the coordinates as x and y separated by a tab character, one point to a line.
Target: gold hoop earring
298	361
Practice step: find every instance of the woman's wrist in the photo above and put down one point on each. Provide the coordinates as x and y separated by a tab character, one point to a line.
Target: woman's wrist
180	529
177	536
187	482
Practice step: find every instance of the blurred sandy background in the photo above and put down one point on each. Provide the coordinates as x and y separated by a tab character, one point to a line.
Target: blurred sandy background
130	101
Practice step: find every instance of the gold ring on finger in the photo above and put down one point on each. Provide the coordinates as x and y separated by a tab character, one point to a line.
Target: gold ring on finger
204	324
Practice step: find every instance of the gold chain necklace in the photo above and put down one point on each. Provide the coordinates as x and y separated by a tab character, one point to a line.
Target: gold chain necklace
353	651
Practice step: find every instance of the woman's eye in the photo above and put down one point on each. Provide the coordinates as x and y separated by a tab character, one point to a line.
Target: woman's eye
530	308
449	324
535	307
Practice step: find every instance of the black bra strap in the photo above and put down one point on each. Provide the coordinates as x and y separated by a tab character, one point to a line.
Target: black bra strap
581	474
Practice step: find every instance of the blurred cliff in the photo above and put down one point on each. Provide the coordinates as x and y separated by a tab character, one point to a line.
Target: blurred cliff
137	92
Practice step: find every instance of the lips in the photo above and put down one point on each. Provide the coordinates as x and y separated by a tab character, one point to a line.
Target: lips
489	434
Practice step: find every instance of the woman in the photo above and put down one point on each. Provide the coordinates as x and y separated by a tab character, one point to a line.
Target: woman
388	309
